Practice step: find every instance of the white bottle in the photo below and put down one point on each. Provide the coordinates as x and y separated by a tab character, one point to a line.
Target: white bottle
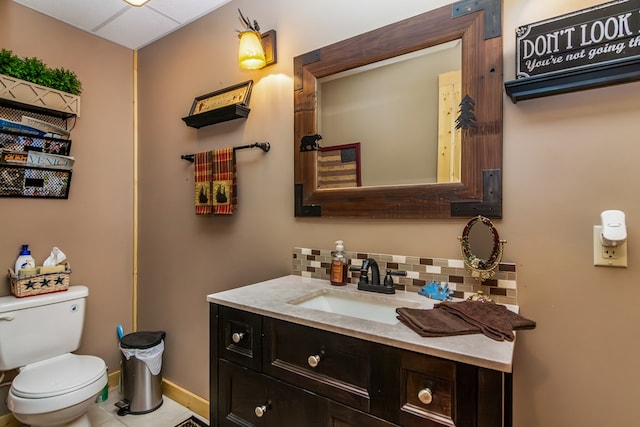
25	260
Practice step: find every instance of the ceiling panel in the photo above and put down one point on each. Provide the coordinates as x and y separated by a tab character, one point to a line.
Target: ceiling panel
186	11
117	21
137	27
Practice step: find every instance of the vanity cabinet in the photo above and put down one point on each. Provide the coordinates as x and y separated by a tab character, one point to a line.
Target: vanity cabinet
271	372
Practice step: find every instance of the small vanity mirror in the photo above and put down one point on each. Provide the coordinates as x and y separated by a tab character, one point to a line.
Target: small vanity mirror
481	247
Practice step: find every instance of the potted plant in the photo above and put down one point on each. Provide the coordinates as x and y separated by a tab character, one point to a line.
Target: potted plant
29	81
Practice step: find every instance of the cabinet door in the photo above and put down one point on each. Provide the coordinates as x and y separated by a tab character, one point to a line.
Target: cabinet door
249	399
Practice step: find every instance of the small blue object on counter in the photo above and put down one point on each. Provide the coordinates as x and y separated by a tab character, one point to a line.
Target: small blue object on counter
435	290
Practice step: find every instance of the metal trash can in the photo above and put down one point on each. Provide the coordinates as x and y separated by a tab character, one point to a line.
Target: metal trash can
141	372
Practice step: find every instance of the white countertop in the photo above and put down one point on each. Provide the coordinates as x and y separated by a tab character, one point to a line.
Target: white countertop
270	298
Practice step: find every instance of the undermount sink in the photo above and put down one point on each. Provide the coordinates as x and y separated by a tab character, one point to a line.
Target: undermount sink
354	304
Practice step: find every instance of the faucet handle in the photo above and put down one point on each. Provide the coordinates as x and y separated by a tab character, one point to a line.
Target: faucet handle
388	280
364	279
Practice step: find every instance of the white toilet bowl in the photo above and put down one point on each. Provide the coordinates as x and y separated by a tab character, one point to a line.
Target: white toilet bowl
57	391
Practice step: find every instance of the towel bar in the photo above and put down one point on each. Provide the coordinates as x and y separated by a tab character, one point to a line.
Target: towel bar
264	146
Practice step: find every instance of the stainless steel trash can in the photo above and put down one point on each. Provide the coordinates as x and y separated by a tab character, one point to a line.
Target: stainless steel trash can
141	372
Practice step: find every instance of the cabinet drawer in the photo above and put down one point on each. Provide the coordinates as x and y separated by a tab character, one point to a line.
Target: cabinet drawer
332	365
427	390
248	398
240	337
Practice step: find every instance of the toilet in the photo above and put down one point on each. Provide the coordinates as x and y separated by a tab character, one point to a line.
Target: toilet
54	387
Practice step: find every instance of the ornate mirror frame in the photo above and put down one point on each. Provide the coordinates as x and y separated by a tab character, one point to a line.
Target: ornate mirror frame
481	269
479	24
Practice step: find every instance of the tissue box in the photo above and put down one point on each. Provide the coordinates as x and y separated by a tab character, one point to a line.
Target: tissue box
43	283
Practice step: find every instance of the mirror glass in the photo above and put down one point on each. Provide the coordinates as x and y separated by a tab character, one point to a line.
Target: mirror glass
393	179
401	112
481	247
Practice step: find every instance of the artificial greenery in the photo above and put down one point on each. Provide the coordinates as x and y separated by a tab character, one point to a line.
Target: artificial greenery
35	71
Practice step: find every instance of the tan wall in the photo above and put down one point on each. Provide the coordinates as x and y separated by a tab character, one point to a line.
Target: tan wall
557	150
94	226
575	369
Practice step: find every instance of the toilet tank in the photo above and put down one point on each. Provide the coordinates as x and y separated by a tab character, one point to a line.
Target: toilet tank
39	327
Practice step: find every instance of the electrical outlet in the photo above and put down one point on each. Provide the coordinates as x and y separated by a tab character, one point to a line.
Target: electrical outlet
608	256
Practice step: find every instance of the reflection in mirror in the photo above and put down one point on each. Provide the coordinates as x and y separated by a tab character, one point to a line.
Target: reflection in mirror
481	247
401	112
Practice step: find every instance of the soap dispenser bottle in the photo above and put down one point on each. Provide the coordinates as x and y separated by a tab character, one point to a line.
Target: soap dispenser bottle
339	266
25	260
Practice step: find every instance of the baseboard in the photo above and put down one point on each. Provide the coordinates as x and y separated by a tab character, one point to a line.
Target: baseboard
114	379
193	402
8	420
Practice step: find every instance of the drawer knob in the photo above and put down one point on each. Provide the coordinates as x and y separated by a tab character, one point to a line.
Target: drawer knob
261	410
237	337
314	360
425	396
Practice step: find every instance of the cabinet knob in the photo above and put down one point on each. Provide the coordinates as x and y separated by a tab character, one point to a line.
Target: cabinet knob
237	337
261	410
314	360
425	396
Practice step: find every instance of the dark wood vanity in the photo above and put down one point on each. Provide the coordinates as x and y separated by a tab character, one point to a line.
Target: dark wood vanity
270	372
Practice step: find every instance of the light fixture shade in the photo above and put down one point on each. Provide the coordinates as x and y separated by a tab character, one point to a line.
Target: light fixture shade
136	3
251	54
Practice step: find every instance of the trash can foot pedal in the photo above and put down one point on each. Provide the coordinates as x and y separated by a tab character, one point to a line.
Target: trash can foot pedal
123	408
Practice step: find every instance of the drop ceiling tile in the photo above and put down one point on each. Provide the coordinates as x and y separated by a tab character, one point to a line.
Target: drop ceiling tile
121	23
137	27
186	11
83	14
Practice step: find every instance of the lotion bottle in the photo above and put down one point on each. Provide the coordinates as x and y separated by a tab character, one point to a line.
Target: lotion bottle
339	266
25	260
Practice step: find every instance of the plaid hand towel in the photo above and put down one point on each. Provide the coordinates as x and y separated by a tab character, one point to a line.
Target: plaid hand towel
224	181
202	172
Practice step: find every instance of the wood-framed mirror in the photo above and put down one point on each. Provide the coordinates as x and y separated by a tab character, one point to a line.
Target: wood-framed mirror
478	24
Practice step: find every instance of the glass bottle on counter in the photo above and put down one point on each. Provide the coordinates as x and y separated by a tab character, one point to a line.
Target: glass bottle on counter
338	275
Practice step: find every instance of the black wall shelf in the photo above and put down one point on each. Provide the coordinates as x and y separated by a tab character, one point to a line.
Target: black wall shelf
224	114
606	74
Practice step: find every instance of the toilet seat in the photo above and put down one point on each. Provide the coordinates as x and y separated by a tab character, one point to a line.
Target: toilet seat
71	391
57	376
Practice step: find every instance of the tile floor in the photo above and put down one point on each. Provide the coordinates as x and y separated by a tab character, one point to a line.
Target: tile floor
105	414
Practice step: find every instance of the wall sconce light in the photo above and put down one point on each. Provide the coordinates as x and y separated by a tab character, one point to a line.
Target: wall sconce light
136	3
256	50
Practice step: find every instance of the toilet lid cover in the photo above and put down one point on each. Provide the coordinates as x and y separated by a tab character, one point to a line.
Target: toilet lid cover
60	375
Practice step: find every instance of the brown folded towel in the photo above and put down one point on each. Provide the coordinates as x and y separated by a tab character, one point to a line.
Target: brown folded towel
465	317
434	323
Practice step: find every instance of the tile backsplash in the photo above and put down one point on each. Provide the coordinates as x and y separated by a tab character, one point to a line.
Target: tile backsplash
501	287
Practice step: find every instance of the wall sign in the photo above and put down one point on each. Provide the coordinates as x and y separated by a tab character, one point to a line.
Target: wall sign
604	33
593	47
220	106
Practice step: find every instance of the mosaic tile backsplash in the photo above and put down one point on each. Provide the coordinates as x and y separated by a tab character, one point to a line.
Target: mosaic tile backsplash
501	287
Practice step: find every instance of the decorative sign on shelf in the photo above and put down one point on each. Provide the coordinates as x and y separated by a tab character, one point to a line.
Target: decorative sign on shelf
587	38
220	106
587	49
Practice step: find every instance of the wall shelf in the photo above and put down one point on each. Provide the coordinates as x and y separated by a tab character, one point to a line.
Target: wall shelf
601	75
219	115
27	96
